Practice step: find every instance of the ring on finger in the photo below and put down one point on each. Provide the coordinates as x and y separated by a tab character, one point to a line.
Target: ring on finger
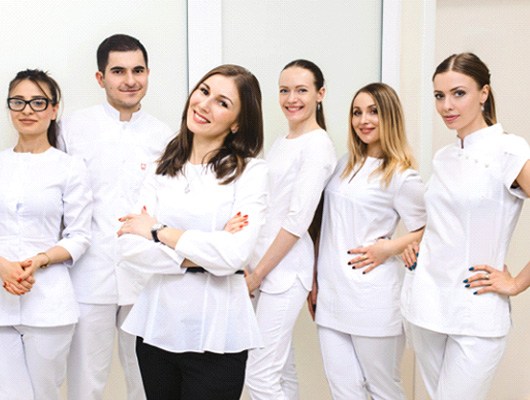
487	277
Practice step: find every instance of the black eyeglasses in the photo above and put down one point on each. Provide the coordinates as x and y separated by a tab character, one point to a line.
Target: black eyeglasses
37	104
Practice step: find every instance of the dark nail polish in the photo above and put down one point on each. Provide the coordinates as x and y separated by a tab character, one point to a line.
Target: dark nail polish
474	292
352	267
468	285
348	252
471	268
349	263
364	272
465	281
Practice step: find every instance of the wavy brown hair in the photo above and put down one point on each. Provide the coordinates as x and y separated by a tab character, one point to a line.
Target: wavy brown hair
397	155
229	161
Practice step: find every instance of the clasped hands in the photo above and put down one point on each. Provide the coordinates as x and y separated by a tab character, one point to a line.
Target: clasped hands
18	276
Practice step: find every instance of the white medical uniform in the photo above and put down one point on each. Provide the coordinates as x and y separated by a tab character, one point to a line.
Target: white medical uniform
354	307
118	155
299	169
472	210
45	202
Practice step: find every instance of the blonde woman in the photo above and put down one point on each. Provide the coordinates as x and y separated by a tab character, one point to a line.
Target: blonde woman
359	278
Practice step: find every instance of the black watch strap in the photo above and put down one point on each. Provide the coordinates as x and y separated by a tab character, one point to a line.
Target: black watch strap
154	231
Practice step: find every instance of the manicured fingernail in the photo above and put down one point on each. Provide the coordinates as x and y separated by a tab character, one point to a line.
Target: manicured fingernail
348	252
240	226
352	267
238	213
144	208
465	281
471	268
245	216
475	292
364	272
245	223
468	285
350	263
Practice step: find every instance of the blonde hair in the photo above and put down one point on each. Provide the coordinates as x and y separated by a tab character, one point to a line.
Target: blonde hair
397	155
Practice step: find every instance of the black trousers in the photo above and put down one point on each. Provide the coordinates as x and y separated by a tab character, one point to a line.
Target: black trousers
190	376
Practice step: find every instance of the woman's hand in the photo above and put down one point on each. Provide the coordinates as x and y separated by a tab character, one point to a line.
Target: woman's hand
370	256
489	279
253	282
236	223
312	300
12	272
137	224
410	255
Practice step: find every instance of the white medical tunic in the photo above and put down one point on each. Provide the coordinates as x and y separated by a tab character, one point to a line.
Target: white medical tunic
358	210
197	312
118	155
40	193
299	169
472	210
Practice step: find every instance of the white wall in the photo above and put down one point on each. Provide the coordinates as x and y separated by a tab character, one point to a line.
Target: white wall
61	36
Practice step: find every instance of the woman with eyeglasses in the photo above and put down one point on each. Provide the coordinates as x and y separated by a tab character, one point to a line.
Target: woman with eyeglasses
45	209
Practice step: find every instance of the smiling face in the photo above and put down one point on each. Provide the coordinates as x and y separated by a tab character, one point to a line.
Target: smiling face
213	109
27	122
299	98
365	123
124	81
459	100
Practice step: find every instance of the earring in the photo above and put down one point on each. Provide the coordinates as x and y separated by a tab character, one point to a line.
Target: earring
319	106
482	107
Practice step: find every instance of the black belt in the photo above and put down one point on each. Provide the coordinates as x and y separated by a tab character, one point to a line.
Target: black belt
201	270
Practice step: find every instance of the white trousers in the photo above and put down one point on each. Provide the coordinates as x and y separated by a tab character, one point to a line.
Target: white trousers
456	366
91	353
33	361
356	366
271	372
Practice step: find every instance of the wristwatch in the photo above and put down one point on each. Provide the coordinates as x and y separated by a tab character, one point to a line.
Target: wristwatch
155	229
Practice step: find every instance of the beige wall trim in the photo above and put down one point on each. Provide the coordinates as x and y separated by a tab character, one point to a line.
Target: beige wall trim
391	43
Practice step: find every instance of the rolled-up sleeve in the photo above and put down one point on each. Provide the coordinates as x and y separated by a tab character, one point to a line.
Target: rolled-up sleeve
317	164
409	201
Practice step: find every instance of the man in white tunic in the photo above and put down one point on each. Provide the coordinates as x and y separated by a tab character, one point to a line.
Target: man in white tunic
118	141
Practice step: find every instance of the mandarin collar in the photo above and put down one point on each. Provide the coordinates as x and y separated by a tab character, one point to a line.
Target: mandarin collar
115	114
479	136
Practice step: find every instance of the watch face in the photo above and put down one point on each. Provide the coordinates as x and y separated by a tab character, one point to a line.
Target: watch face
157	226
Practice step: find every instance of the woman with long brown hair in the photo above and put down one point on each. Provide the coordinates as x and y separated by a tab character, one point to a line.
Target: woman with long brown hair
194	319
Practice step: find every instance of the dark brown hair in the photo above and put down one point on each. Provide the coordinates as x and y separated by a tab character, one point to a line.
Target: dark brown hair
230	160
118	42
469	64
41	78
